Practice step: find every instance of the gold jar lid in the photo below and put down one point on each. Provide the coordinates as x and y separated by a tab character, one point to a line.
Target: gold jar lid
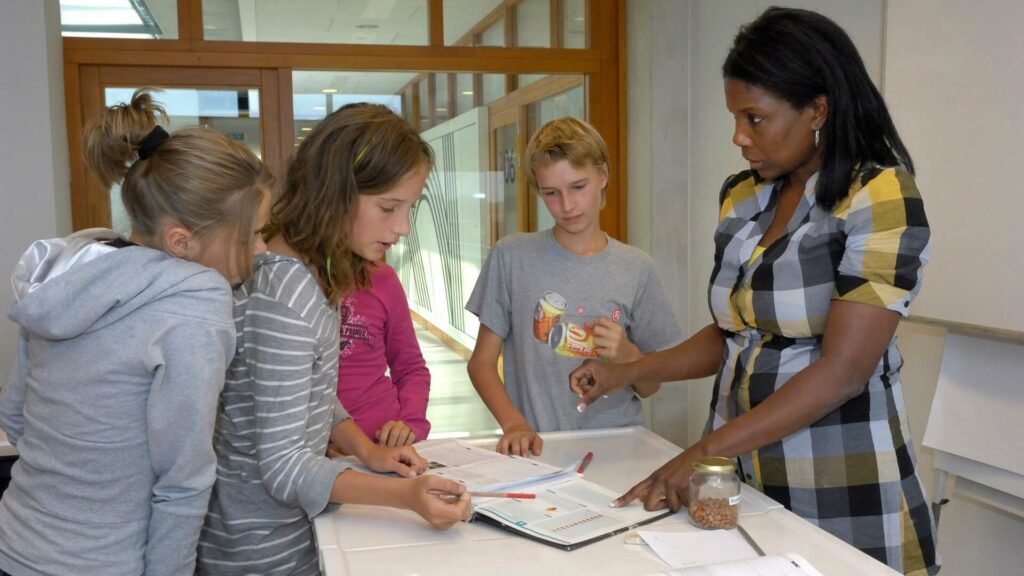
714	464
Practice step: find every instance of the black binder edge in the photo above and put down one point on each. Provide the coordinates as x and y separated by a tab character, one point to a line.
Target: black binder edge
477	516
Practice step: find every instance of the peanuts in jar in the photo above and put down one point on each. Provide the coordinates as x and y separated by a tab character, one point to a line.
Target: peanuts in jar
714	493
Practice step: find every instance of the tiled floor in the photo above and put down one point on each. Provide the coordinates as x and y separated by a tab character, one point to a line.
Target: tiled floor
454	410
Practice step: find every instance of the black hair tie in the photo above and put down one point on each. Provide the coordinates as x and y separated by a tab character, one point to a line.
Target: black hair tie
151	142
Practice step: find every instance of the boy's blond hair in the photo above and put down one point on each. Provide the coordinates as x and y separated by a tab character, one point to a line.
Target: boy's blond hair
569	139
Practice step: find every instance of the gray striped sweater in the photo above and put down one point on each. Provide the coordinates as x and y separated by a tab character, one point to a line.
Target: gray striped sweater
278	408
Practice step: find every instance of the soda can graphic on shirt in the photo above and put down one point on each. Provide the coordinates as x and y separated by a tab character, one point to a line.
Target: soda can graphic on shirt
549	311
573	340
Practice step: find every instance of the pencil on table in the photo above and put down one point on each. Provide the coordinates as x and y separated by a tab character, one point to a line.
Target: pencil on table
516	495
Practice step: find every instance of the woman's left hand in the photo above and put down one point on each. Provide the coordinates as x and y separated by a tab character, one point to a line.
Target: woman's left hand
395	433
667	487
611	342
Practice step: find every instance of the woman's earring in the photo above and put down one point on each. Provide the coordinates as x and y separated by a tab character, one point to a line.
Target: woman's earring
816	138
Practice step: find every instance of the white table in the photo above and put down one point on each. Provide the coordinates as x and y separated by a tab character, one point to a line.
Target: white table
361	540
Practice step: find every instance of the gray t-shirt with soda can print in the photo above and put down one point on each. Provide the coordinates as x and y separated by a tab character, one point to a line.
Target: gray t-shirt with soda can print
541	299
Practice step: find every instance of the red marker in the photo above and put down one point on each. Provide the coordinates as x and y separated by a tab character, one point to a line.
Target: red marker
585	462
518	495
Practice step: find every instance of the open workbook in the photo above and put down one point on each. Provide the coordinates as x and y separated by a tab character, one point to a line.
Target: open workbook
568	511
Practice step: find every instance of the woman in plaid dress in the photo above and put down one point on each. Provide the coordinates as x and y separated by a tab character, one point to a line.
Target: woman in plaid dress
818	254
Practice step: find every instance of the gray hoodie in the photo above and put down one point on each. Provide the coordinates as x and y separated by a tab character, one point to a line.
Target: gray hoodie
111	402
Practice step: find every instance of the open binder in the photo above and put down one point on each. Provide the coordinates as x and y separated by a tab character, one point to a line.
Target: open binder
568	512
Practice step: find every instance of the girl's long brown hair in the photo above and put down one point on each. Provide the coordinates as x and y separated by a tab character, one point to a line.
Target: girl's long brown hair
359	149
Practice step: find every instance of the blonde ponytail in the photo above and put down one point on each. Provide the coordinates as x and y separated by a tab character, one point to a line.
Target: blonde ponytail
112	138
197	177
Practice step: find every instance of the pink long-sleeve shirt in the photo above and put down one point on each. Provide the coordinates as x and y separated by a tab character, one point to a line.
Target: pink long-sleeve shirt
377	333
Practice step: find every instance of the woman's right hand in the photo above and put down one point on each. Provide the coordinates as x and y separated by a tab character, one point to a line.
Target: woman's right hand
440	501
595	379
520	440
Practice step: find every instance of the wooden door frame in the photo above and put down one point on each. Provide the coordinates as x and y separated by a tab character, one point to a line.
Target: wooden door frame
91	207
603	64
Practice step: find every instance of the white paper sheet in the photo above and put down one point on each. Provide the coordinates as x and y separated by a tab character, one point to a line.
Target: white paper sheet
692	548
781	565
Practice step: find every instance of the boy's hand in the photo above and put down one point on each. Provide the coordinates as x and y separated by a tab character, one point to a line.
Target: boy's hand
402	460
520	440
394	433
440	501
611	342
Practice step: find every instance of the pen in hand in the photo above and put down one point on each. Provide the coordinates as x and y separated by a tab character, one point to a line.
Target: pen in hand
516	495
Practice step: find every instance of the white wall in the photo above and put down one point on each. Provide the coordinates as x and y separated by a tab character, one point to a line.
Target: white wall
658	84
33	141
678	124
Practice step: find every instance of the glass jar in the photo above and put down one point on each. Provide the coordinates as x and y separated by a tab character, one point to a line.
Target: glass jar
714	493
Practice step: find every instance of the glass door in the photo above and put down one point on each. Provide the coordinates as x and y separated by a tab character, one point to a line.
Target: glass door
242	104
234	112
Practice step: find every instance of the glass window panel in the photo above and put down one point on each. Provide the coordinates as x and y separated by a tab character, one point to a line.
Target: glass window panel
574	24
464	93
506	160
494	35
568	103
424	88
527	79
441	111
152	19
227	111
398	22
494	87
463	16
318	93
533	23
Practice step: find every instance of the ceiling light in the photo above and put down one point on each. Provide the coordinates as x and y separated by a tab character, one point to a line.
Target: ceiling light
320	108
367	26
467	93
441	109
330	90
307	129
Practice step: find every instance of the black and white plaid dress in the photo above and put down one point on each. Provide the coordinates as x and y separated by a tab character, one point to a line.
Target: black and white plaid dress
853	473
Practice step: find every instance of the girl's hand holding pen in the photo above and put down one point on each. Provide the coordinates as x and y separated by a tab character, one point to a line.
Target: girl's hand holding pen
595	379
440	501
402	460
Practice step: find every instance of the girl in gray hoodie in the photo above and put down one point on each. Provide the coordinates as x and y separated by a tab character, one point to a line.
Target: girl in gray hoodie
123	344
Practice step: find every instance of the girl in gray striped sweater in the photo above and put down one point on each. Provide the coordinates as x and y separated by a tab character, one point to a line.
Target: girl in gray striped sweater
347	195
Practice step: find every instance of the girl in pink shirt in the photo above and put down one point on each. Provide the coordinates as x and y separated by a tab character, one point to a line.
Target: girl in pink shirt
377	334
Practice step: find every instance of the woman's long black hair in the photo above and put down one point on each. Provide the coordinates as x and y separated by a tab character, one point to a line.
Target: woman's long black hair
798	55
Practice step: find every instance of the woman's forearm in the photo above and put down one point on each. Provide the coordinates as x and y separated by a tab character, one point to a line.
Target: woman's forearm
697	357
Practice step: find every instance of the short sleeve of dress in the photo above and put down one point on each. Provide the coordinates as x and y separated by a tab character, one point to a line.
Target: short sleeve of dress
887	241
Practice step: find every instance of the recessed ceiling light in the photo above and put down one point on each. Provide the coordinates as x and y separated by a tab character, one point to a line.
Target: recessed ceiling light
330	90
441	109
307	129
467	93
319	107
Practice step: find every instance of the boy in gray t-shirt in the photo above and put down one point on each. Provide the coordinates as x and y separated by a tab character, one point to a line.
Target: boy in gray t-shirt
555	298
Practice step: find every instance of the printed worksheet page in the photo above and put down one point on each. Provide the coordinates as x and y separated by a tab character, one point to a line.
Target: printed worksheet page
568	511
